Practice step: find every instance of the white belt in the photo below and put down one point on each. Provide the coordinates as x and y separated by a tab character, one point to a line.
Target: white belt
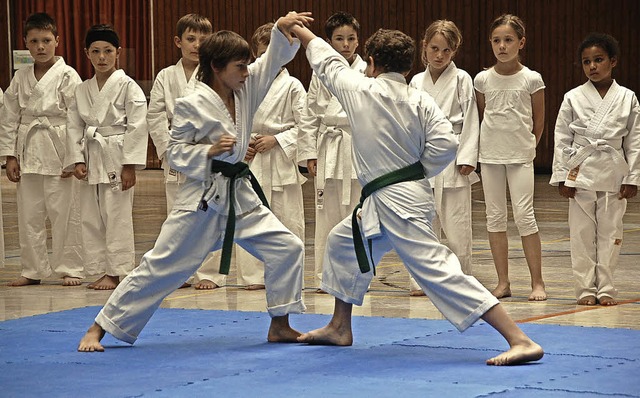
42	122
590	145
98	134
345	156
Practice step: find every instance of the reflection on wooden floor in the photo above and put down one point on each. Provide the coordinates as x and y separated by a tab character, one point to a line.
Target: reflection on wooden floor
389	291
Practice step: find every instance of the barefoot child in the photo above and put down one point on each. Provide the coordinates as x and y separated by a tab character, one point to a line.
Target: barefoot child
271	157
452	89
209	139
33	131
324	146
510	100
596	165
400	138
172	83
107	142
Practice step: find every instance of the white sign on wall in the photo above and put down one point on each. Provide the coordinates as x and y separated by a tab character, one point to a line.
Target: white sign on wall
21	59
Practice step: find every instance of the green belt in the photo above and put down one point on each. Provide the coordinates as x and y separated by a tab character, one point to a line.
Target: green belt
410	173
232	171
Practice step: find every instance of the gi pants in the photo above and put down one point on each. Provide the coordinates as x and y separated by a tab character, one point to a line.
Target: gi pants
460	298
185	240
287	206
40	197
107	229
595	228
331	214
209	270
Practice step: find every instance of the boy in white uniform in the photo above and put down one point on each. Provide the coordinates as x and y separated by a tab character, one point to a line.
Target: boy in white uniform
596	165
209	139
107	142
324	146
400	139
172	83
33	131
272	157
452	89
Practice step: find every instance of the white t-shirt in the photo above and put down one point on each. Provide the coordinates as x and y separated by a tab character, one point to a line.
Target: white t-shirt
506	132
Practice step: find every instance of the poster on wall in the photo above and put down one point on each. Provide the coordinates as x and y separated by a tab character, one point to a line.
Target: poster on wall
21	59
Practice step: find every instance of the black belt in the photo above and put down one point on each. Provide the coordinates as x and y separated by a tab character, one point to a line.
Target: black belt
232	171
410	173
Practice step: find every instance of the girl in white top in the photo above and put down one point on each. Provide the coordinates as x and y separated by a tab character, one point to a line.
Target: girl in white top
510	100
452	89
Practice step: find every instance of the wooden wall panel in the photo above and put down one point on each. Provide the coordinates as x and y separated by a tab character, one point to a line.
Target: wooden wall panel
554	30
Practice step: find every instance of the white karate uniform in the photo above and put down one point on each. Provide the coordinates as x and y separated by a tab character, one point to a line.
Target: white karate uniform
508	147
108	129
325	135
190	233
597	149
454	94
387	138
171	84
276	170
34	129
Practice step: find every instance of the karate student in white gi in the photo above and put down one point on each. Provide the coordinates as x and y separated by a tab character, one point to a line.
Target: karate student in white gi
209	139
510	100
596	165
400	138
107	142
272	157
324	146
452	89
172	83
33	130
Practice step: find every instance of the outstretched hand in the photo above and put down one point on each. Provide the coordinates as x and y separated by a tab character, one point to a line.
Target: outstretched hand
291	20
627	191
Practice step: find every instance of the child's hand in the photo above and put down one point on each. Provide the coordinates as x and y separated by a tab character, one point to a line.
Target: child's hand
80	171
465	169
224	144
251	153
566	192
265	143
312	166
627	191
128	176
13	169
288	22
66	174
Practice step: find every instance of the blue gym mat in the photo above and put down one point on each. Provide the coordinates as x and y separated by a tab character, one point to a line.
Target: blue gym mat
198	353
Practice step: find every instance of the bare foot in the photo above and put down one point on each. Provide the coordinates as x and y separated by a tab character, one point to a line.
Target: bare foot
416	293
22	281
185	285
107	282
71	281
518	354
328	335
90	342
502	291
587	300
255	286
281	332
320	291
607	301
205	284
538	294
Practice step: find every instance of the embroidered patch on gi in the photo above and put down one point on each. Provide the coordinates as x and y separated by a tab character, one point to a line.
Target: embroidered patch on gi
319	198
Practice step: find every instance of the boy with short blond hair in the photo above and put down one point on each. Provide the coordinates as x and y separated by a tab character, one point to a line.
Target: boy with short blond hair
171	83
33	130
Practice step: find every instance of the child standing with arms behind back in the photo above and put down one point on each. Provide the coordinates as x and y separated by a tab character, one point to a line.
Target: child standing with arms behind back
452	89
511	103
107	142
596	165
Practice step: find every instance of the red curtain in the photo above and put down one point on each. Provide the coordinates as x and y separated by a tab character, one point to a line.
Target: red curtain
74	17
